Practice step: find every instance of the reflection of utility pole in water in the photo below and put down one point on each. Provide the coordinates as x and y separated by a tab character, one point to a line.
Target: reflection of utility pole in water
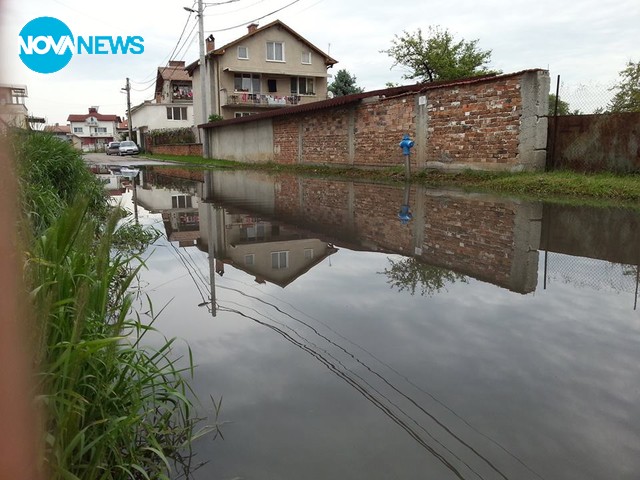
546	220
207	201
212	256
635	302
135	198
419	218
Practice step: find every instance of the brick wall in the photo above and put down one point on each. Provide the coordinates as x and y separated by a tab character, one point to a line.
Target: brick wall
379	127
479	124
187	149
475	124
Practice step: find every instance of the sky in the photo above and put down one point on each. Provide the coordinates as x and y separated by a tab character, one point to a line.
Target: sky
587	43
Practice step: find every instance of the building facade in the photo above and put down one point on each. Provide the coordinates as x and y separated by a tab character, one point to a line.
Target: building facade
92	131
13	111
270	67
172	106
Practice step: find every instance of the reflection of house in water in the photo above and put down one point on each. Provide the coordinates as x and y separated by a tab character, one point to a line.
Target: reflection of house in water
250	240
113	184
272	251
178	201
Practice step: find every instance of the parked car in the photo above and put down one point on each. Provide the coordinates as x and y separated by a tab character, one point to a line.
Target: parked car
128	148
113	148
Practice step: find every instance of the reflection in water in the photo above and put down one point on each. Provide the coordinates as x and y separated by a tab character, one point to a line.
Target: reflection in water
372	394
408	274
277	231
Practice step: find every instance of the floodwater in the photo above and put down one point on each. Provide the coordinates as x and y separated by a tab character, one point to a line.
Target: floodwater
361	331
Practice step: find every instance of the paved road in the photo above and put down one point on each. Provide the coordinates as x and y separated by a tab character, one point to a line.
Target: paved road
132	160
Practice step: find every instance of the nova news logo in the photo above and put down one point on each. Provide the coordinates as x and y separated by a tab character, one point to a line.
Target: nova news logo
47	45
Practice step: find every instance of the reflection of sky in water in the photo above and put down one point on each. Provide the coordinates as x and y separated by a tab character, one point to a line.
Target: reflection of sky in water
358	380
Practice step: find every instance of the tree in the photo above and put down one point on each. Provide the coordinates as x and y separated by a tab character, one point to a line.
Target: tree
438	56
344	84
627	96
563	107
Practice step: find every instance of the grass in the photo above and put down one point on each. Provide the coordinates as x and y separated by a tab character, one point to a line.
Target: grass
113	406
565	186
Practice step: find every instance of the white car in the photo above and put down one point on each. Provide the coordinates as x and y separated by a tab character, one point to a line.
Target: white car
128	148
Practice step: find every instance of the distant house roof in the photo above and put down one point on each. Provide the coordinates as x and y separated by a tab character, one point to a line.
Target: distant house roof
276	23
174	71
93	112
57	129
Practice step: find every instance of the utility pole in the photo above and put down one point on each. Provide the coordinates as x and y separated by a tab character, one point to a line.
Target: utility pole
203	79
127	89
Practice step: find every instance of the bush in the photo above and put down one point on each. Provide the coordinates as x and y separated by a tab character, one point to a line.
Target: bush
51	176
172	136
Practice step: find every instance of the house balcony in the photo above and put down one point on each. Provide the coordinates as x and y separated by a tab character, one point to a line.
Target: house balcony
182	97
260	100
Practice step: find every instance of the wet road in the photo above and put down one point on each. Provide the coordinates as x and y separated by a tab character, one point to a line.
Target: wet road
132	160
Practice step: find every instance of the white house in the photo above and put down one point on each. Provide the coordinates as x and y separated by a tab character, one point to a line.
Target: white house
172	106
91	131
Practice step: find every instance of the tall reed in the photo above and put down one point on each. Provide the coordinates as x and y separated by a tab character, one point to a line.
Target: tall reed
113	406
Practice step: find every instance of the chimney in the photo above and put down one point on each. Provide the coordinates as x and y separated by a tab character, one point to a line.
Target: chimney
176	63
252	28
93	109
211	43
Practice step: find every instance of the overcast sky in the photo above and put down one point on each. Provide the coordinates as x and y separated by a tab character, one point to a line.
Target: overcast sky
586	42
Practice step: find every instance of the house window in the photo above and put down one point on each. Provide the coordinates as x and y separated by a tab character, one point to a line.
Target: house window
77	129
306	58
181	201
250	259
243	53
176	113
275	51
308	253
279	260
101	129
242	114
302	86
246	82
272	85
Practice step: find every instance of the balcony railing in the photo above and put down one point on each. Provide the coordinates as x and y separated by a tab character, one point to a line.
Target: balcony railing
257	99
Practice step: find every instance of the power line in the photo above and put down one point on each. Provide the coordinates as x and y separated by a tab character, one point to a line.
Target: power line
171	55
219	3
254	20
236	10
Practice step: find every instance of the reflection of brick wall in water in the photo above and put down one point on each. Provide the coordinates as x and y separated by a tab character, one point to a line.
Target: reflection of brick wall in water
184	173
326	202
470	236
376	218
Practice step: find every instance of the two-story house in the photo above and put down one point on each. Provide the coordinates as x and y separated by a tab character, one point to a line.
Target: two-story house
172	106
92	131
269	67
13	111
